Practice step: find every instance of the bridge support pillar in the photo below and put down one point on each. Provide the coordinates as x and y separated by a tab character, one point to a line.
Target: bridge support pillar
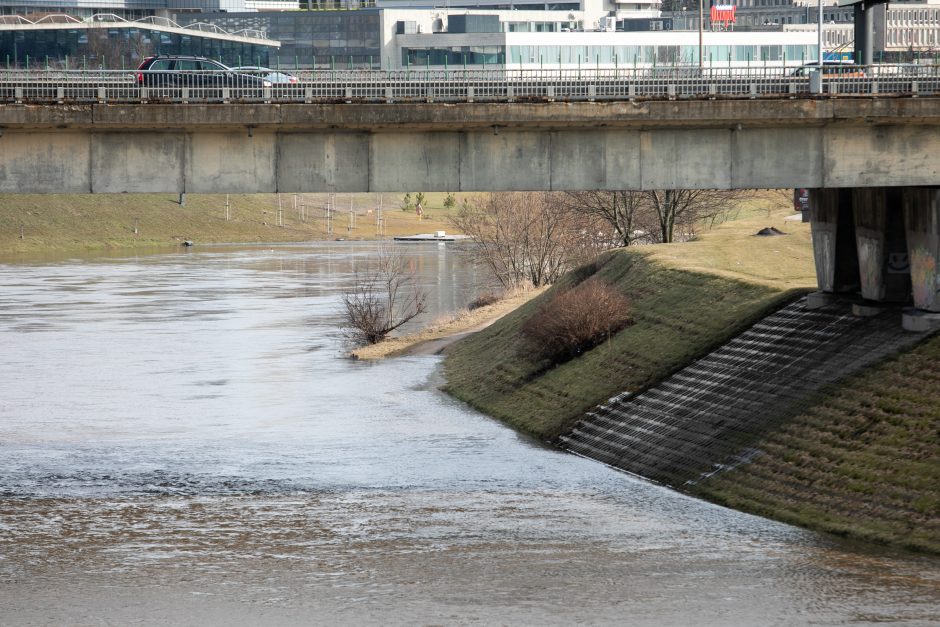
884	272
882	243
833	232
922	219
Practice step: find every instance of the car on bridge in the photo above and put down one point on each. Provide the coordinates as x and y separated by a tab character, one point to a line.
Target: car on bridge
274	76
205	78
832	68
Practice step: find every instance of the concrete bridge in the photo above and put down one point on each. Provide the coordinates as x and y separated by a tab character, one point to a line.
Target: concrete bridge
759	143
873	163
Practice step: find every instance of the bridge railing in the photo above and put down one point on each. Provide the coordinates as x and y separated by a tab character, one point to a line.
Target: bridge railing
464	85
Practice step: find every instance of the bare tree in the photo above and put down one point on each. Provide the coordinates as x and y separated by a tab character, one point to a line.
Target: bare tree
383	299
622	210
678	211
525	237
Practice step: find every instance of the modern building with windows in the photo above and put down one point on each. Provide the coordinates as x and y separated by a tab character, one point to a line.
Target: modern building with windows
408	33
907	29
605	50
308	39
903	29
109	42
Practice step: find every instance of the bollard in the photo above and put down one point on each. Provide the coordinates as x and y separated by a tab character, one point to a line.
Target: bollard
815	82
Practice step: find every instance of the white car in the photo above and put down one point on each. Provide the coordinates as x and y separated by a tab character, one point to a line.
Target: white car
272	76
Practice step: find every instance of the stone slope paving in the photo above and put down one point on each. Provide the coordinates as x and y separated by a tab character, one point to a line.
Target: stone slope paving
707	416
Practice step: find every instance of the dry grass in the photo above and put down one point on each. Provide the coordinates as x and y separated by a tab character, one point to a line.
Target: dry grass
733	250
100	221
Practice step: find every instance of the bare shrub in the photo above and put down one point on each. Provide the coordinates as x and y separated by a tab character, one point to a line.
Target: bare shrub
382	299
487	298
576	320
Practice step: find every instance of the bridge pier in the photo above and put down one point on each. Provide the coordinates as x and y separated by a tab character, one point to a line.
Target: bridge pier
922	221
833	233
881	244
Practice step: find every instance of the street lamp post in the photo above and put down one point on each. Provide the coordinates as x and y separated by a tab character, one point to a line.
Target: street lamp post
820	35
701	27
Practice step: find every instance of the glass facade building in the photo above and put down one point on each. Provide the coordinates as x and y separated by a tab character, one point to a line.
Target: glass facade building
117	46
454	56
309	39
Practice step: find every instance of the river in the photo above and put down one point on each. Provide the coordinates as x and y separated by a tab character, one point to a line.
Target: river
182	441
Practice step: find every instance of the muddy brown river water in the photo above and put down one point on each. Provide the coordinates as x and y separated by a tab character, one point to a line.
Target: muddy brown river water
182	442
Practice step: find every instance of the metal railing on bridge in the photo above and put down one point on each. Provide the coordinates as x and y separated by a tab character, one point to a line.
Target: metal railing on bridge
23	86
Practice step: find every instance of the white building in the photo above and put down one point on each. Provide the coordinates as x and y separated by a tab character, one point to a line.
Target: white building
588	11
423	38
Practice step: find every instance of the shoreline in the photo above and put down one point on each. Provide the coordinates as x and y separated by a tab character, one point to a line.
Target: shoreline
440	335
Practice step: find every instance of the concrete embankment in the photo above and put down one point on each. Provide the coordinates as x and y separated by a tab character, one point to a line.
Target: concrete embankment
725	412
767	423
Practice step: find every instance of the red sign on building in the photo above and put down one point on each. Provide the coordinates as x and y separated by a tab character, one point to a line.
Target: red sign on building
723	13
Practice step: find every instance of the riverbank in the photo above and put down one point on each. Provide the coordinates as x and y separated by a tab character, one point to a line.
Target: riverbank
686	300
41	223
861	462
440	334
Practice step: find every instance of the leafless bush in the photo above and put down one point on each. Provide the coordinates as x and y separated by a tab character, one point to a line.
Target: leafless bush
487	298
382	299
575	320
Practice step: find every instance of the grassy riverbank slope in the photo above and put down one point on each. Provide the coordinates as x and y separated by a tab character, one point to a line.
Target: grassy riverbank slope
862	462
31	223
687	299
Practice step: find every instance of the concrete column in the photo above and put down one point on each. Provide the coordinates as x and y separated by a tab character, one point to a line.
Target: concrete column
861	35
833	231
864	14
884	272
922	219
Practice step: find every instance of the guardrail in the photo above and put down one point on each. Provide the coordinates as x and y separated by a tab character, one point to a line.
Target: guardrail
459	85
